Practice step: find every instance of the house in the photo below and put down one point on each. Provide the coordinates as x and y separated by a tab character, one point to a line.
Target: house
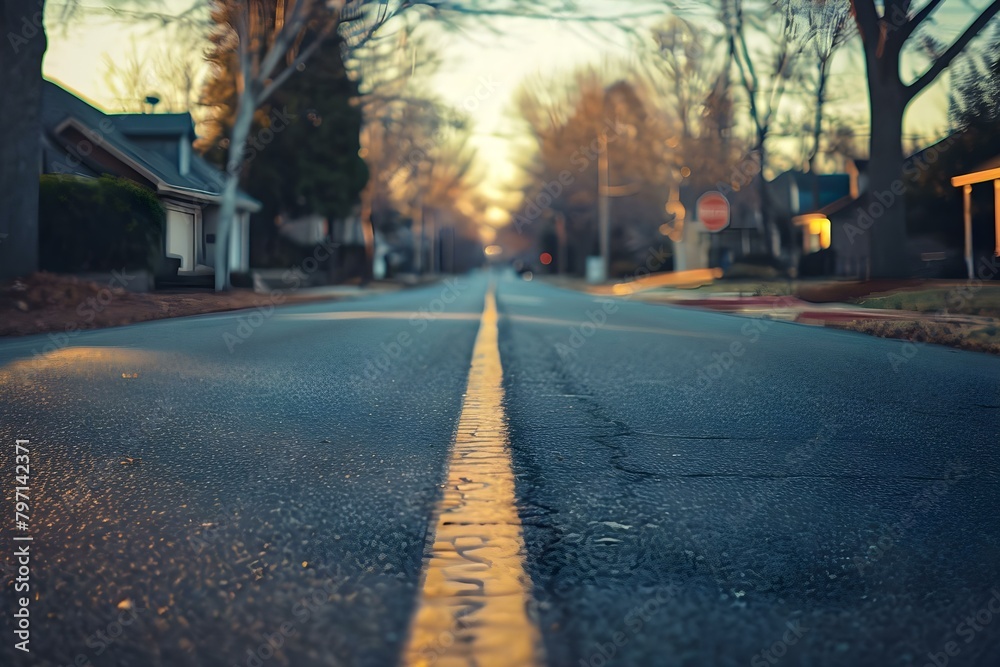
795	192
830	242
987	172
843	224
153	150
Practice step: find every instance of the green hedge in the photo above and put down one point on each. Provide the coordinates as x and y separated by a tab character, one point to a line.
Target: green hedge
98	224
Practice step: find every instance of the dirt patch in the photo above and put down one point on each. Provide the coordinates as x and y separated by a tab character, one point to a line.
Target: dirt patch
976	338
47	302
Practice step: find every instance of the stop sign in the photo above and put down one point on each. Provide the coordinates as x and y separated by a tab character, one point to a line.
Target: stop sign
713	211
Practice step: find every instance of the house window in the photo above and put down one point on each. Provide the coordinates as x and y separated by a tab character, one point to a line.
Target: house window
815	233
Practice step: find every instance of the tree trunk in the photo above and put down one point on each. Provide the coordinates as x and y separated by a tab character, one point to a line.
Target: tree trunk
418	239
818	131
22	30
764	194
368	228
227	212
886	209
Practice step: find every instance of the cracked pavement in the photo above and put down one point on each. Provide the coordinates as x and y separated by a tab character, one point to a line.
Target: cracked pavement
800	502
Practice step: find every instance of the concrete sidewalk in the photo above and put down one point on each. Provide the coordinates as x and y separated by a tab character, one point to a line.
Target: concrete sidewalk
793	309
976	331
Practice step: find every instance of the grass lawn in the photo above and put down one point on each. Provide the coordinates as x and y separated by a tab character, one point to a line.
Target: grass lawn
958	298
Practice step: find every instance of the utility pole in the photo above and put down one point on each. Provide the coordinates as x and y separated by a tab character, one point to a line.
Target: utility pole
563	264
604	194
418	236
604	208
431	224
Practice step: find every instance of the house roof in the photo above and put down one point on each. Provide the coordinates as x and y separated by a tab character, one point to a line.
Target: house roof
837	206
832	187
117	133
153	124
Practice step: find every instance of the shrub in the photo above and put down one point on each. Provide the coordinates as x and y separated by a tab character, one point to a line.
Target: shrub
98	224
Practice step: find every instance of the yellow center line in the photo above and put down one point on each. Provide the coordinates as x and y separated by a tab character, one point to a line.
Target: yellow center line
473	607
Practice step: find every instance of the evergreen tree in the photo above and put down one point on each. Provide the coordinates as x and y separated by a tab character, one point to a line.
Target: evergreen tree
303	148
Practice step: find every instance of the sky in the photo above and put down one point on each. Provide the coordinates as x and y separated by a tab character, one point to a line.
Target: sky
481	69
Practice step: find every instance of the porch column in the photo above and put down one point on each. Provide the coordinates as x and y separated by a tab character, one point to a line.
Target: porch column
996	216
967	206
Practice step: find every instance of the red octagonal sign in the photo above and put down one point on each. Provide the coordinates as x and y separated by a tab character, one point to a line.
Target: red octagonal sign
713	211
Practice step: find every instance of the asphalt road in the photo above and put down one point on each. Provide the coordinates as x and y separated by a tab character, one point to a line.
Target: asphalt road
694	488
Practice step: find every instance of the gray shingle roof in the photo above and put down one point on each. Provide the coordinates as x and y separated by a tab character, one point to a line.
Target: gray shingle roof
153	124
122	133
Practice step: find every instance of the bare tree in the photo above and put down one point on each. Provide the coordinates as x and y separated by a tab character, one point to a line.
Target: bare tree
763	72
686	70
401	119
596	136
885	34
128	80
179	70
172	74
272	39
830	27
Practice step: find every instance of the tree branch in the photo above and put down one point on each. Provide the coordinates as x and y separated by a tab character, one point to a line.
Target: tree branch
284	38
948	56
303	56
918	18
